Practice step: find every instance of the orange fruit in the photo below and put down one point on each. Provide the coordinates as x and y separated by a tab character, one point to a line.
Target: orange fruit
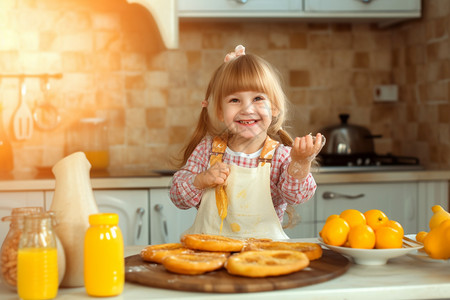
387	238
331	217
375	218
396	225
335	232
353	217
420	236
361	236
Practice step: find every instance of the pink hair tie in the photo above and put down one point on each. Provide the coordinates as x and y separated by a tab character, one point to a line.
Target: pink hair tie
205	103
238	51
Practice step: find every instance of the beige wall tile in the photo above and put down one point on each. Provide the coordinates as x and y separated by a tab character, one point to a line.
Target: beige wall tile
299	78
115	66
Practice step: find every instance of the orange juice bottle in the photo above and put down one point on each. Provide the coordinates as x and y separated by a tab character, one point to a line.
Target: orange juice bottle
104	270
37	262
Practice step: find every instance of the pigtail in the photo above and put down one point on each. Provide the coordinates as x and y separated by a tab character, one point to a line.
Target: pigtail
198	134
293	217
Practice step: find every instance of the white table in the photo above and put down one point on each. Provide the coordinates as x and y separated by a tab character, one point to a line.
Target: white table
401	278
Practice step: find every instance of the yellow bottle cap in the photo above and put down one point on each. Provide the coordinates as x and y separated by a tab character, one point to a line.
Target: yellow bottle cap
104	219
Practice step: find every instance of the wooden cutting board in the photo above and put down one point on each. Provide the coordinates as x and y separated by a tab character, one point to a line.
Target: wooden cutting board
331	265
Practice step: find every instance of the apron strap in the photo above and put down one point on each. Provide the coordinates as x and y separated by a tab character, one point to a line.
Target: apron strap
218	149
268	151
220	145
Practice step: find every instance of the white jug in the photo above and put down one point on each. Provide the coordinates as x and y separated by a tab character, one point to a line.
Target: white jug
72	203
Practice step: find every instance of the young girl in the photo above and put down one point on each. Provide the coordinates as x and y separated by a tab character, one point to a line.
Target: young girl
234	146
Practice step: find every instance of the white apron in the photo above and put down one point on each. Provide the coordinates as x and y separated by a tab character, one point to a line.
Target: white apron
250	207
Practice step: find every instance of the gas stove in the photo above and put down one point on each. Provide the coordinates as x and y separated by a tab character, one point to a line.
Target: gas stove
367	162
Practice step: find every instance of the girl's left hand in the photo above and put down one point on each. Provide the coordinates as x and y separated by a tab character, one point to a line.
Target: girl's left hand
305	149
303	152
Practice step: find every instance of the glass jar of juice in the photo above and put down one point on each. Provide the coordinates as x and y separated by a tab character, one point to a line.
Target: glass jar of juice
10	246
90	135
104	266
37	262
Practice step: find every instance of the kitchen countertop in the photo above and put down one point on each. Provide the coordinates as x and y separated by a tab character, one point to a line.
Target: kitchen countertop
135	179
401	278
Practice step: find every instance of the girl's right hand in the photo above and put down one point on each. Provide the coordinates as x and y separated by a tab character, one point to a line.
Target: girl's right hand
217	174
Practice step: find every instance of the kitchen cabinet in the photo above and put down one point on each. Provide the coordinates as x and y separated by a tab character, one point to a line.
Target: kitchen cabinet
306	223
399	201
431	193
239	8
10	200
411	193
132	208
167	222
383	11
406	202
363	6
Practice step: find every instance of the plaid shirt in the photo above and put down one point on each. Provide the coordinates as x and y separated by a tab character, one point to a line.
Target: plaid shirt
285	189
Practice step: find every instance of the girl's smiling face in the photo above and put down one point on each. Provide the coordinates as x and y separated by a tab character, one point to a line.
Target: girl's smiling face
247	115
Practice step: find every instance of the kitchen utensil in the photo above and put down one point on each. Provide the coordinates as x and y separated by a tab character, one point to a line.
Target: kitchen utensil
346	139
329	266
23	119
45	115
371	257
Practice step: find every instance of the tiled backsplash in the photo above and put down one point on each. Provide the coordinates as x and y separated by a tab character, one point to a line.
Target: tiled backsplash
114	65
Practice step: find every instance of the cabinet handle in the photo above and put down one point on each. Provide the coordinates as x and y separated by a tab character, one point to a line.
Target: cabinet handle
366	1
331	196
140	214
241	1
159	209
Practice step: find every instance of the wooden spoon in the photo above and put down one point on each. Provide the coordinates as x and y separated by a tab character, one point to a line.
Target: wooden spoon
23	119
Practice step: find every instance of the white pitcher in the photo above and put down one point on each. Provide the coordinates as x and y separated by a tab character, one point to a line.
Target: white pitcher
72	203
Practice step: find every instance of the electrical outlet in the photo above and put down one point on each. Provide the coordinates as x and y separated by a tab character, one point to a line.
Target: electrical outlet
385	93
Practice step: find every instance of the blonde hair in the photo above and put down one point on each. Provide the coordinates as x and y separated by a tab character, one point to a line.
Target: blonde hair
243	73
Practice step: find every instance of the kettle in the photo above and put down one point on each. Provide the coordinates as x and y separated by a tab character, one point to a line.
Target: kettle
347	139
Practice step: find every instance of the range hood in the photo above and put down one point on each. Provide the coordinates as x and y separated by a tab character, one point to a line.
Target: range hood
165	14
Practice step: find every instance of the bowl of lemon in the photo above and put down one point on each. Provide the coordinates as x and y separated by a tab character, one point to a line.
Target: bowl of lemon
368	238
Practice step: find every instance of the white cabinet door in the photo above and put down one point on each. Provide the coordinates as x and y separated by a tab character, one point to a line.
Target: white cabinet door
362	5
306	225
132	208
431	193
167	222
398	200
238	8
10	200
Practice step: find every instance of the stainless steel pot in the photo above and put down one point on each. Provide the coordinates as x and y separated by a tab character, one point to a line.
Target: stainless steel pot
346	139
